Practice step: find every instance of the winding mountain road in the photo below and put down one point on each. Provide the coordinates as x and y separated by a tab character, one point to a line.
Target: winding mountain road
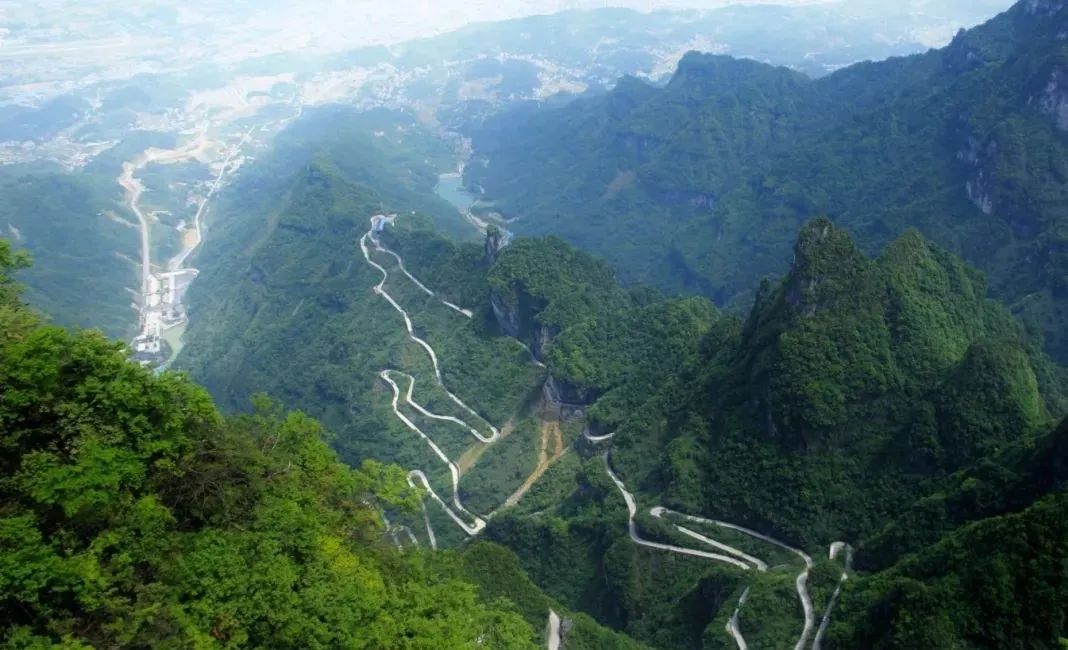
434	416
660	511
470	529
454	471
430	292
632	511
475	524
400	264
381	290
801	583
552	632
736	557
733	628
836	548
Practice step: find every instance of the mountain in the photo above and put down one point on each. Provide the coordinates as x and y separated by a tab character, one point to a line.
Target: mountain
883	401
994	580
92	135
70	222
134	514
506	446
702	184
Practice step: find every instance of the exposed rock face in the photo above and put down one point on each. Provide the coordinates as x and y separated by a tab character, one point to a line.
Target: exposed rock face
978	190
1054	99
562	395
543	336
495	241
507	315
515	312
596	428
980	158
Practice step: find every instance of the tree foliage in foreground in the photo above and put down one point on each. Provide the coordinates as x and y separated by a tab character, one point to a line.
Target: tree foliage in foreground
133	514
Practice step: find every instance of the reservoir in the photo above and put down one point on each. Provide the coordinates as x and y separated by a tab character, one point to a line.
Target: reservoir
451	188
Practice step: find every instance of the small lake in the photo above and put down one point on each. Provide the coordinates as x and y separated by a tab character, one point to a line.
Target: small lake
451	188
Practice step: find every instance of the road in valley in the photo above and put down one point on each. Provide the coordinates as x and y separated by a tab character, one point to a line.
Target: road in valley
162	309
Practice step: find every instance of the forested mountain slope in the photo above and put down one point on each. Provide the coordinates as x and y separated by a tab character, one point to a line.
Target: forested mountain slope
72	224
703	184
854	389
995	579
849	369
876	401
133	514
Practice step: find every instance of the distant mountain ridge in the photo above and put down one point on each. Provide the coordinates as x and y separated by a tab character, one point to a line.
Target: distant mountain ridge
700	186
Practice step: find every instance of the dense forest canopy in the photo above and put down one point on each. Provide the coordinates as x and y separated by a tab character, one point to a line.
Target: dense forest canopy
134	514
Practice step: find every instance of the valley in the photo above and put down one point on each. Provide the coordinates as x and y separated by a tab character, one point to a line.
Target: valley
553	332
160	301
403	385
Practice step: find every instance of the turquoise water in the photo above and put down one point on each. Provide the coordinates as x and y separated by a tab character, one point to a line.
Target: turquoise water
450	188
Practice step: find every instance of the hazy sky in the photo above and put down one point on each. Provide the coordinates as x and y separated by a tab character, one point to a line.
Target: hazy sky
70	27
391	21
404	19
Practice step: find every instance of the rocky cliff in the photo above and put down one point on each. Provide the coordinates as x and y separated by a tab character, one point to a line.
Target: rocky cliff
569	398
516	313
1054	98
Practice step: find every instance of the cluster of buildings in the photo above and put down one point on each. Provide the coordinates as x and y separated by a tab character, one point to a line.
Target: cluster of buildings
161	310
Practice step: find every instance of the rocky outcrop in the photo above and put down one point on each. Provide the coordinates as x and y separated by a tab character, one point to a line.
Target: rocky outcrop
1054	99
827	268
978	190
597	429
569	399
516	314
542	338
495	241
